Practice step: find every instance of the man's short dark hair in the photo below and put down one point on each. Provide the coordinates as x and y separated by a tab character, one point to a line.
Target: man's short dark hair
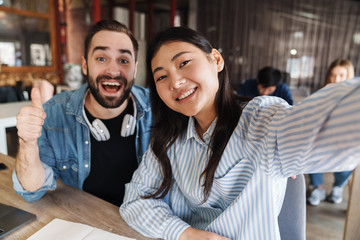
269	76
109	25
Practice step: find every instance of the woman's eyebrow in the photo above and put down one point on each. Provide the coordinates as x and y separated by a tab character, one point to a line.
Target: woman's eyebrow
178	55
172	59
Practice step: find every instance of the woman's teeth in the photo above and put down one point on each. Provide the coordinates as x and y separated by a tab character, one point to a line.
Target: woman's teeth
186	94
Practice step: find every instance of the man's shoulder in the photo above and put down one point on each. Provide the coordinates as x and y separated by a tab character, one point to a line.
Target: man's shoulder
248	88
66	99
283	86
250	81
142	96
140	91
250	84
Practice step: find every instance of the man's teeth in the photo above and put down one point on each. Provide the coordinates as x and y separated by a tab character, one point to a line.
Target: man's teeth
186	94
111	83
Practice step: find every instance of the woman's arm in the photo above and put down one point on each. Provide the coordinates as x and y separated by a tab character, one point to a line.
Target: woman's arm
320	134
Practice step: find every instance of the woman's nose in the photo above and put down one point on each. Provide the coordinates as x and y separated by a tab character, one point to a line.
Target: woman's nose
177	81
338	78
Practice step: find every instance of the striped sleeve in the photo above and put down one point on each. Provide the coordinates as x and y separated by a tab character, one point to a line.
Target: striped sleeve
320	134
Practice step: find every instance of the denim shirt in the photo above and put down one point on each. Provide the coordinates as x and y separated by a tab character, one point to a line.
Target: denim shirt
64	144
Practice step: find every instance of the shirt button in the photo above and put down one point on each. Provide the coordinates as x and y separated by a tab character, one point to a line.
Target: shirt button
64	167
86	142
86	165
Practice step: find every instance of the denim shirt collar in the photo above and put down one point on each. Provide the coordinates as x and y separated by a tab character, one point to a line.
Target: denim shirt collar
75	104
141	105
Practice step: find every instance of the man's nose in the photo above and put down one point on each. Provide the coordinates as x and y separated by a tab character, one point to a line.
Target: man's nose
113	69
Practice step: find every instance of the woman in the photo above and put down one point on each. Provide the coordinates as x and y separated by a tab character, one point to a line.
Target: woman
338	71
215	170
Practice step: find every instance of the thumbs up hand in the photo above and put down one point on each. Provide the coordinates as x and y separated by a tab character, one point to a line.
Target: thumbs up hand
31	118
36	98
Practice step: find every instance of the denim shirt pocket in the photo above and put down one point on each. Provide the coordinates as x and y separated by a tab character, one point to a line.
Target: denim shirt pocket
68	171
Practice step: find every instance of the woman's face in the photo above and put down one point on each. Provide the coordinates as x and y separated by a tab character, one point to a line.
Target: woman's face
338	74
186	78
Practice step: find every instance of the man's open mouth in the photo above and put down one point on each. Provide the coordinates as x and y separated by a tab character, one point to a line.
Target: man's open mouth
111	86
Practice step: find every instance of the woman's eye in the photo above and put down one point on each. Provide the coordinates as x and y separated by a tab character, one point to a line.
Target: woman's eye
184	63
160	78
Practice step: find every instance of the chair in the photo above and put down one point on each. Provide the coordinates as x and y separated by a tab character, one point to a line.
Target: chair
10	94
292	217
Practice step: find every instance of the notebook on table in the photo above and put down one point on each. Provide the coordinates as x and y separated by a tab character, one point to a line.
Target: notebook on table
12	218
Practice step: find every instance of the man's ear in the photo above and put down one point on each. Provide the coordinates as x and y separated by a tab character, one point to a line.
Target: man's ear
219	60
83	65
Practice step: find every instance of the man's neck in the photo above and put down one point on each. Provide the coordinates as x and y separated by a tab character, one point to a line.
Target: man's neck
98	111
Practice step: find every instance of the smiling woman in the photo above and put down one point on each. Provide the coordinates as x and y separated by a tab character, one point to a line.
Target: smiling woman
191	75
218	165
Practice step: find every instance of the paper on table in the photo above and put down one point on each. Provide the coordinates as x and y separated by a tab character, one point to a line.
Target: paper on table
59	229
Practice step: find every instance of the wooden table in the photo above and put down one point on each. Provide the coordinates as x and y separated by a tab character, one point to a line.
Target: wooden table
66	203
8	112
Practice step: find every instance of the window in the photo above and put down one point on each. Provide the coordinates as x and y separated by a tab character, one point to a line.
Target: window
27	36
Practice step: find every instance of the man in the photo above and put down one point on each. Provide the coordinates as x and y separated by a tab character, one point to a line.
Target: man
268	82
92	138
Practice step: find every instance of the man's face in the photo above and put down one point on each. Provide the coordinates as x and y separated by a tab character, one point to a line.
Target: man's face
110	68
265	90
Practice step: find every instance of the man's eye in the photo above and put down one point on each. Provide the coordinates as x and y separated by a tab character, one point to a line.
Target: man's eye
184	63
160	78
124	61
101	59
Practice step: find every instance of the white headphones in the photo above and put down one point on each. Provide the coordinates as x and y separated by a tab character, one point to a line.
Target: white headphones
101	133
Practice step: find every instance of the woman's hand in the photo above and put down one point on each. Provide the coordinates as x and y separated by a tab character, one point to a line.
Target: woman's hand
196	234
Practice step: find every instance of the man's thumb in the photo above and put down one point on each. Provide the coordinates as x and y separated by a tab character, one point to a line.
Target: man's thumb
36	98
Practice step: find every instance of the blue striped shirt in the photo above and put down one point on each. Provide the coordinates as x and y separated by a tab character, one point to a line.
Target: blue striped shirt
271	142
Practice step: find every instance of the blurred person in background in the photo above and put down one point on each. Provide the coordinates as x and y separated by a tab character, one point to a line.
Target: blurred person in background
268	82
338	71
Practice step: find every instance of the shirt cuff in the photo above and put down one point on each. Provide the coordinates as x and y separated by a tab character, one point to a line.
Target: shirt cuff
49	184
175	228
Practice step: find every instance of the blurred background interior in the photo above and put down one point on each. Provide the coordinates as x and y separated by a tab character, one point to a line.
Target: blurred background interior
43	39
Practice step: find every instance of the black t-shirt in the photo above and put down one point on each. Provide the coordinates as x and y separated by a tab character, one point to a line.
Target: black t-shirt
113	162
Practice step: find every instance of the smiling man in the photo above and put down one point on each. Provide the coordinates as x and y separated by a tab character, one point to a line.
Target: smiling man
92	138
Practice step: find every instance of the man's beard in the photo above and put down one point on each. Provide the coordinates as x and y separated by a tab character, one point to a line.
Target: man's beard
110	102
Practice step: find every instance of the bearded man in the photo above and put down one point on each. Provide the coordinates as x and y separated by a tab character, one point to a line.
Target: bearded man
92	138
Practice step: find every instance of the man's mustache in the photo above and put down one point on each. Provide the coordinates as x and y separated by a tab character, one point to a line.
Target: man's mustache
118	78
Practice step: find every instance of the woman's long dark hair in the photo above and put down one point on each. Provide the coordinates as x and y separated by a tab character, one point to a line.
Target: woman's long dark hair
169	125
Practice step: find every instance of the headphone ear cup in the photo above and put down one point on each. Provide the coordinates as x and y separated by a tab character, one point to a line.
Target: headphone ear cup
101	130
128	126
95	133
